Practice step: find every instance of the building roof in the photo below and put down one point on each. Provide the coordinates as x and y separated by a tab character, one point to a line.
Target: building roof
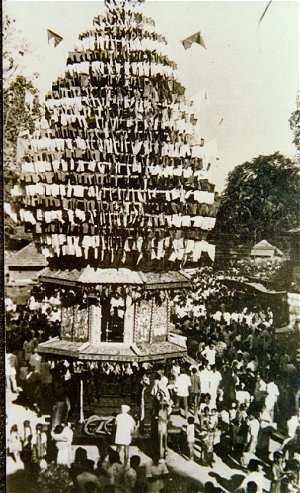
89	352
259	287
263	245
122	276
157	280
69	277
252	286
29	256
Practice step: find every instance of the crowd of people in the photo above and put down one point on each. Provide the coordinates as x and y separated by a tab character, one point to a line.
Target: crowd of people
243	385
242	335
237	393
229	412
41	317
44	451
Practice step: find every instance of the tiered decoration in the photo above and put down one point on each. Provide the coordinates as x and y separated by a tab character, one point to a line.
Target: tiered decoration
111	177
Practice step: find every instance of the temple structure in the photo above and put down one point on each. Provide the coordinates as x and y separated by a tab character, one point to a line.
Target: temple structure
115	315
115	189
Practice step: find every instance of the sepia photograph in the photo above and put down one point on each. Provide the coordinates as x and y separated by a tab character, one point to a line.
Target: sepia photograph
151	198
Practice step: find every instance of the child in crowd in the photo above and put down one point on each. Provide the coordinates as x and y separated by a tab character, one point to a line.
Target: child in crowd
14	443
190	435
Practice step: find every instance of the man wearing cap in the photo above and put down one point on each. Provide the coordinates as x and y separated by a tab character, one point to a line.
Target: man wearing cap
125	425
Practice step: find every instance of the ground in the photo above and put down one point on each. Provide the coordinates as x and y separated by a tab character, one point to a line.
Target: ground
184	474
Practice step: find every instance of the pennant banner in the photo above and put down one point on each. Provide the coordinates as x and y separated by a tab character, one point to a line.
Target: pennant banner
56	37
195	38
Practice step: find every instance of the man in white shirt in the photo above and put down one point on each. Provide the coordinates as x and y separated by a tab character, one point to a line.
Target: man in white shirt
205	380
183	389
68	434
292	425
242	396
125	425
253	364
209	354
253	424
215	379
271	397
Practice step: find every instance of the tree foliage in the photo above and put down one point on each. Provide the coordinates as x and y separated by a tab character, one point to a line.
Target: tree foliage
19	117
261	201
295	124
20	107
14	49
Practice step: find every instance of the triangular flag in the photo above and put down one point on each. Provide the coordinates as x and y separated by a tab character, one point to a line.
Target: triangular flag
198	38
195	38
57	38
187	43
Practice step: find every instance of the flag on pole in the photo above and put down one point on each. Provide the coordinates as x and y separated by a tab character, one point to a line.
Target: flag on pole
56	37
195	38
264	12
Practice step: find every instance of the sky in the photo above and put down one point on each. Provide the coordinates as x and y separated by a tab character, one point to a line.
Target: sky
250	71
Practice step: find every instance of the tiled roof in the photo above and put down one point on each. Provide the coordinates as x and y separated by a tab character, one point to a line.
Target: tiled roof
89	352
29	256
160	279
262	245
65	276
88	275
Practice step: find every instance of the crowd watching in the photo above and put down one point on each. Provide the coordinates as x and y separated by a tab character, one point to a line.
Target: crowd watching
237	395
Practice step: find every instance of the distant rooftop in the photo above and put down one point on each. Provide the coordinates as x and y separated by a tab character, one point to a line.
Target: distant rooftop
29	256
263	244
